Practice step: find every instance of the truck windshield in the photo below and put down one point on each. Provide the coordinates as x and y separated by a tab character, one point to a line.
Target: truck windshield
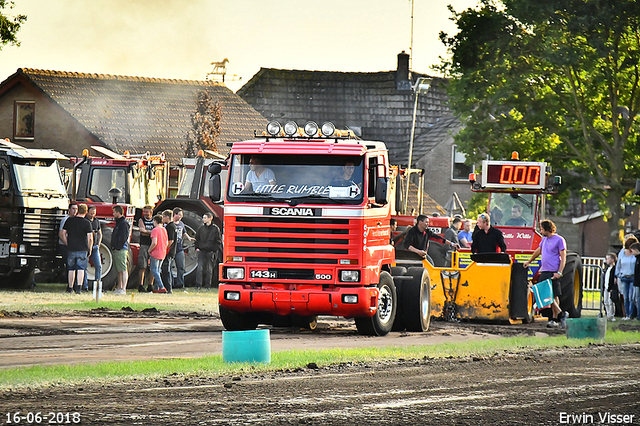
277	178
39	176
515	209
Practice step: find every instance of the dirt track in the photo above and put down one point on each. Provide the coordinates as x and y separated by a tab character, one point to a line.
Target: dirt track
525	388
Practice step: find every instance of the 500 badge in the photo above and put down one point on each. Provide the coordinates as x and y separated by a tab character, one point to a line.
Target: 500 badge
323	276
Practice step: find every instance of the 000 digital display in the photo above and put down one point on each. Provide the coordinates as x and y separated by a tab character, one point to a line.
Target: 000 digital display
513	174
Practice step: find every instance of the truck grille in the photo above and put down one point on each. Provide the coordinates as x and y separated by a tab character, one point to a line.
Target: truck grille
316	241
41	229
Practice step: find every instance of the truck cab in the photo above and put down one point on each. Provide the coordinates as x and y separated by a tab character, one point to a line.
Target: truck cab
306	230
32	203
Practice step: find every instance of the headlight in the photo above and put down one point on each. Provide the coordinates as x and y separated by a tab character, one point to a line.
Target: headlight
232	295
273	128
311	128
350	298
235	273
328	129
23	248
350	276
290	128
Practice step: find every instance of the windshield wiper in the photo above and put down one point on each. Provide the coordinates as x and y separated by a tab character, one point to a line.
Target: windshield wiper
297	200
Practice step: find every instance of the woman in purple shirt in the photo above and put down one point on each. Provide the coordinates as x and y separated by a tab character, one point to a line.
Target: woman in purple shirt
554	256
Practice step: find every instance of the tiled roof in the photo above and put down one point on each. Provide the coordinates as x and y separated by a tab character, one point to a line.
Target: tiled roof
444	127
142	114
370	101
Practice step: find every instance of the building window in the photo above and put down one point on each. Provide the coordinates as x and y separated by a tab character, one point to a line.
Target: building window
24	119
459	170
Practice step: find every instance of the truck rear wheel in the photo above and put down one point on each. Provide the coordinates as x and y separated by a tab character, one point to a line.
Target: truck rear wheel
192	222
571	283
109	274
398	271
236	321
381	322
305	322
416	297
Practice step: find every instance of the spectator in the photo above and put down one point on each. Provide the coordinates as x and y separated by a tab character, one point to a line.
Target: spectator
207	244
451	234
486	238
625	269
464	236
167	264
417	239
94	255
78	237
609	287
120	249
181	235
635	249
62	247
157	253
554	257
145	225
516	217
393	226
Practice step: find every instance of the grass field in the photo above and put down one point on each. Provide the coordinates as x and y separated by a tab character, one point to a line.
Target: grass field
292	359
52	298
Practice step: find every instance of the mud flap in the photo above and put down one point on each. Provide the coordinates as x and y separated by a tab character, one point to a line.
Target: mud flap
519	292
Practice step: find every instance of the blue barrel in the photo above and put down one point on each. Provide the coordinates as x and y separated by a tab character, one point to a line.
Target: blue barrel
246	346
586	328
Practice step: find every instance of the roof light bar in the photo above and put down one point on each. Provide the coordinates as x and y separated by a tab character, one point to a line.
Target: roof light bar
311	128
290	128
273	128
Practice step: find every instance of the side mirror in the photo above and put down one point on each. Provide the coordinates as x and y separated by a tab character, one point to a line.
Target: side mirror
382	188
637	191
215	188
214	169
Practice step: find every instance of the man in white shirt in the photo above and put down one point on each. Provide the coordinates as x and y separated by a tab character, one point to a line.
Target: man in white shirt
258	176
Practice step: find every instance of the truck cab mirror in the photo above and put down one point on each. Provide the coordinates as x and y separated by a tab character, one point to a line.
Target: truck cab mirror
382	187
214	169
637	191
215	188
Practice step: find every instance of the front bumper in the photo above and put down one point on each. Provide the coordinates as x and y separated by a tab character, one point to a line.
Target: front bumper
303	300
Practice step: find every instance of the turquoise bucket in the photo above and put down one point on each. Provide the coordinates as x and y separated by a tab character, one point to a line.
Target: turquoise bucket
586	328
246	346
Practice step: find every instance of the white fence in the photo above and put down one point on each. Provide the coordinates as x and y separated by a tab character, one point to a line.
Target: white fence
592	271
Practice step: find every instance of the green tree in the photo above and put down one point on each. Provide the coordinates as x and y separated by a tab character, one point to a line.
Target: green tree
556	80
9	24
205	125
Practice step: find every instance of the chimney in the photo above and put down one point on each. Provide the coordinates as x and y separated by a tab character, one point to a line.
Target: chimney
403	74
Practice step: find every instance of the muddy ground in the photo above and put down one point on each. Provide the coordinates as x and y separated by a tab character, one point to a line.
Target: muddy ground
523	388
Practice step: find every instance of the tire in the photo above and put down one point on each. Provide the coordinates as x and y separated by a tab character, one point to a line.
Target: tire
571	284
417	300
109	274
528	319
236	321
305	322
398	271
381	322
19	281
192	222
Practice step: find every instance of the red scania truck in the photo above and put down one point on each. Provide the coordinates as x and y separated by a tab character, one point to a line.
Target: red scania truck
306	217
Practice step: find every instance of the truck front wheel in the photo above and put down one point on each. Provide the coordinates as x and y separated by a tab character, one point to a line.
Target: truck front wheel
236	321
381	322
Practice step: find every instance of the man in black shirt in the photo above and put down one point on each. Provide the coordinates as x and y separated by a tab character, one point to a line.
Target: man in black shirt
417	239
208	242
486	238
145	225
77	235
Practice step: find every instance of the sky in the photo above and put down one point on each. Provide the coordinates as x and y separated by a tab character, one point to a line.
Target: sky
180	38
